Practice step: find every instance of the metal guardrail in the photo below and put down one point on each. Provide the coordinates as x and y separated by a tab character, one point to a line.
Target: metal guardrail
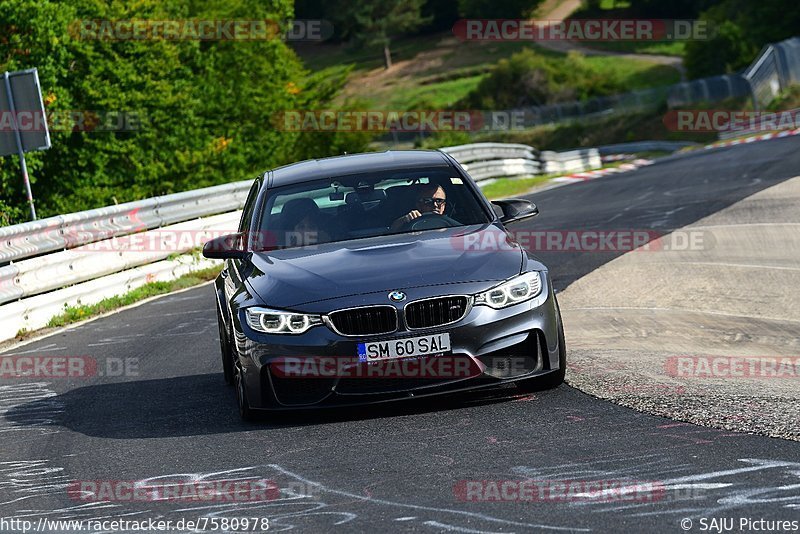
486	161
50	264
67	267
572	161
68	231
775	68
35	312
466	154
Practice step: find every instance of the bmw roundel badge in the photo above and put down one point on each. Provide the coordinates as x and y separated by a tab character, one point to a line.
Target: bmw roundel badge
397	296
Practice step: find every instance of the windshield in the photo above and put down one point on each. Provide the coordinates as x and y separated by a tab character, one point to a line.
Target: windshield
369	205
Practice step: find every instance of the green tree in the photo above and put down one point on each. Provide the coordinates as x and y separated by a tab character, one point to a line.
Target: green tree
379	21
740	28
209	106
726	52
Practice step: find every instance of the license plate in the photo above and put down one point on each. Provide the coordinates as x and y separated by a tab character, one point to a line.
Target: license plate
403	348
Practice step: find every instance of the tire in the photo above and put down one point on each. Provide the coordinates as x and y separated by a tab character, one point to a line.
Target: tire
556	378
225	350
245	412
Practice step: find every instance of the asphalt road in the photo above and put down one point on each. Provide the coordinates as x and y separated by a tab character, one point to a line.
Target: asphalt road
398	467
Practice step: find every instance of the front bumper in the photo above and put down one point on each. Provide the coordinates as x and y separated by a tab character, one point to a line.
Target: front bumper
499	346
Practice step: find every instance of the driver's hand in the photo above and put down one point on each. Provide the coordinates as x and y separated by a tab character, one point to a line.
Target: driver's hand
410	216
405	219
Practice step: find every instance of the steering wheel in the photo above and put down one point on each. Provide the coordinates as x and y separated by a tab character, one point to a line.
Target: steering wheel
430	221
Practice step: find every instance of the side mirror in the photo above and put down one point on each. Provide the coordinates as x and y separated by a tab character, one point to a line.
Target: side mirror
516	209
226	247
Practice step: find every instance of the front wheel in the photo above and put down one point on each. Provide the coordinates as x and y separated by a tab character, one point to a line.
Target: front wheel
245	412
227	352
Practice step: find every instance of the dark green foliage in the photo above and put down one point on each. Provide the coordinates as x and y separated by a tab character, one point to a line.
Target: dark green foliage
210	106
531	79
741	28
372	23
442	14
377	22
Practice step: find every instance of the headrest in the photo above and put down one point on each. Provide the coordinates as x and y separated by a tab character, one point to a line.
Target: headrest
365	197
296	209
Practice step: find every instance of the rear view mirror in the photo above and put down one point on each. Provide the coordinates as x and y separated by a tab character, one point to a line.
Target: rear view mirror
516	209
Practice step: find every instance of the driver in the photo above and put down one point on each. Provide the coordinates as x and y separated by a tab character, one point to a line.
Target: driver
430	199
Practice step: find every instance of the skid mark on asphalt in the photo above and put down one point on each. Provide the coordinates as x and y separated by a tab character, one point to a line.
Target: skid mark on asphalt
50	487
28	479
457	514
301	500
35	407
701	494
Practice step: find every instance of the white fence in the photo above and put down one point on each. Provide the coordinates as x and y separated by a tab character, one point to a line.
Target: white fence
570	162
82	258
68	231
486	161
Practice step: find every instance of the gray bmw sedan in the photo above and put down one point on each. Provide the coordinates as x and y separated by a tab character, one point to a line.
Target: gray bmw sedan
377	277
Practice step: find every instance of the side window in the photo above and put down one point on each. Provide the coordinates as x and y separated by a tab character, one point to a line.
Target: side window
249	206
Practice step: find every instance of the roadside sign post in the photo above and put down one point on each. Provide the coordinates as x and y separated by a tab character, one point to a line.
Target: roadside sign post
22	89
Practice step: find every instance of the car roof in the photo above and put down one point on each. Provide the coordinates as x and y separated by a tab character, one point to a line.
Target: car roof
389	160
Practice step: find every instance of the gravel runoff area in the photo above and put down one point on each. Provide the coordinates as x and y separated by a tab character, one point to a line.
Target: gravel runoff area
709	335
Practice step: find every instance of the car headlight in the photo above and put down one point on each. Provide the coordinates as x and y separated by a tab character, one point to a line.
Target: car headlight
280	322
519	289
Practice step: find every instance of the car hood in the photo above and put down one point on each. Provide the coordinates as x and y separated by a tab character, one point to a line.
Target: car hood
293	277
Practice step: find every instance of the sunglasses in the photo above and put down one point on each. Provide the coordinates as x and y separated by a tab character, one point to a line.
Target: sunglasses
437	202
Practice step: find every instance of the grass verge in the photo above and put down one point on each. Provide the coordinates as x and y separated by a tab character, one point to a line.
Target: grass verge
74	314
509	187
